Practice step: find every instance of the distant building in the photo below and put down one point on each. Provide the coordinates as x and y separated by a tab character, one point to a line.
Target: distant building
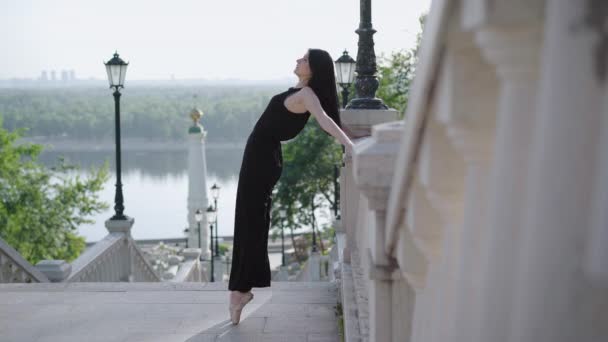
72	75
53	76
64	75
44	76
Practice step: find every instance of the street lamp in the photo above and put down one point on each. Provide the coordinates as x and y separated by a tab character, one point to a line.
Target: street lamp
312	222
282	215
211	218
367	82
215	193
345	74
117	69
198	216
336	190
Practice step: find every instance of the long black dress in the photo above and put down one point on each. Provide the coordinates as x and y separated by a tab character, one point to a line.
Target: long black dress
260	170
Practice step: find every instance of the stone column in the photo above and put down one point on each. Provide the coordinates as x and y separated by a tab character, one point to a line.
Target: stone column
515	53
197	185
556	299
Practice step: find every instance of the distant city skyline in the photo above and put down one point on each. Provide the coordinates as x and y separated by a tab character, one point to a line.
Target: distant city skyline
191	39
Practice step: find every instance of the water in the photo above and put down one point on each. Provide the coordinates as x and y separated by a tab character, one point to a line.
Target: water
155	188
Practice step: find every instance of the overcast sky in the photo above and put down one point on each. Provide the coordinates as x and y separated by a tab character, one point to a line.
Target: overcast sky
219	39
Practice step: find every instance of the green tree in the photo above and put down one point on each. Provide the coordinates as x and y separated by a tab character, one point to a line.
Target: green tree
395	74
41	208
307	180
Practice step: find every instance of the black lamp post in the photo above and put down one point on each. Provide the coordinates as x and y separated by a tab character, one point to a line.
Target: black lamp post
314	235
367	82
215	193
336	190
211	219
345	74
117	69
282	215
198	216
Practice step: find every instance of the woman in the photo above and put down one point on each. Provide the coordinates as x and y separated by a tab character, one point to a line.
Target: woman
284	117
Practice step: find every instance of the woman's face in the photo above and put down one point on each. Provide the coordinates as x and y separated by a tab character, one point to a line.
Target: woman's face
302	67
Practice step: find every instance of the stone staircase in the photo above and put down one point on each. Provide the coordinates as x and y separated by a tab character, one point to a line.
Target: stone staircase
193	312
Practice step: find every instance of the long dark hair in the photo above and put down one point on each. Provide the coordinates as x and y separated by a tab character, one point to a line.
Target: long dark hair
323	82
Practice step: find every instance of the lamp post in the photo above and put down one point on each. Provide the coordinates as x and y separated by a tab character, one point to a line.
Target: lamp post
215	193
345	74
211	218
198	216
336	191
367	82
282	215
314	236
117	69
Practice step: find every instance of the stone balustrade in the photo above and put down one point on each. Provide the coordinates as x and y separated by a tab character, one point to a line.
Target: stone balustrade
115	258
191	269
482	216
15	269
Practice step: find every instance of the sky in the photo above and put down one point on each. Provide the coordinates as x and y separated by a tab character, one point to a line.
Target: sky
191	39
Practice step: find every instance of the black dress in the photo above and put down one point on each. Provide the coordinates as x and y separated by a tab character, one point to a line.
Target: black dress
260	170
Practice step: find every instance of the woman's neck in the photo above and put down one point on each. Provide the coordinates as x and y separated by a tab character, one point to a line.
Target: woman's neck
303	82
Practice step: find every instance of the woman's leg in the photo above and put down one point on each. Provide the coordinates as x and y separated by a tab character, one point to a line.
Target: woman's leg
250	266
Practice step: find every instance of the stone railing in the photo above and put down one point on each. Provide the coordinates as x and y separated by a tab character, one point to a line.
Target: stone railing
107	260
115	258
316	268
15	269
482	217
191	269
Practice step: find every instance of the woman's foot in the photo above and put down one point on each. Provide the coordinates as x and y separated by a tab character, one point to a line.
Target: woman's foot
238	300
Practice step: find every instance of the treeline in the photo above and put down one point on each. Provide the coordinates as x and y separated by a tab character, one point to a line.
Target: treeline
150	112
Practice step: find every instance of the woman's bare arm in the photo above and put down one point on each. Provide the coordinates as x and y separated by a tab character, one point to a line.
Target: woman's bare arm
313	105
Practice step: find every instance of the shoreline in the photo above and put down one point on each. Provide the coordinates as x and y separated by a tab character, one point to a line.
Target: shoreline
69	145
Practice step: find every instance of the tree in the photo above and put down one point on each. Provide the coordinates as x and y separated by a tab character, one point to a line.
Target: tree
396	73
306	184
41	208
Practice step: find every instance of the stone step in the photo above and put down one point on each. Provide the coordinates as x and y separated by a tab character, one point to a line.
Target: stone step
164	312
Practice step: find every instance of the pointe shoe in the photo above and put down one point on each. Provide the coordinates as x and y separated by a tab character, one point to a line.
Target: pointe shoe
236	309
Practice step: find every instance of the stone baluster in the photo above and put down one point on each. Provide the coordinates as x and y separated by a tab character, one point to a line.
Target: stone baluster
556	300
373	166
514	51
360	122
441	170
467	104
596	253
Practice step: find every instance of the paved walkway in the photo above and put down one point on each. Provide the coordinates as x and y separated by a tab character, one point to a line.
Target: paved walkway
90	312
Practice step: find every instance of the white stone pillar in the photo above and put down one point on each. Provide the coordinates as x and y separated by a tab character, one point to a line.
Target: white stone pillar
515	54
197	186
556	300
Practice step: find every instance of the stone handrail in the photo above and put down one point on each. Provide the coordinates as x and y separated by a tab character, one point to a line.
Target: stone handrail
141	269
15	269
191	269
316	268
114	258
106	260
